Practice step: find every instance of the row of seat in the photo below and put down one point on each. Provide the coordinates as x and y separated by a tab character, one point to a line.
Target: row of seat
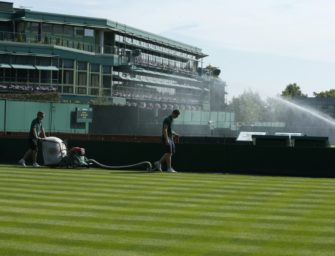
155	97
26	88
163	106
154	64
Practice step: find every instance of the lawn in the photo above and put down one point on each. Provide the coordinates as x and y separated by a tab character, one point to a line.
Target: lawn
97	212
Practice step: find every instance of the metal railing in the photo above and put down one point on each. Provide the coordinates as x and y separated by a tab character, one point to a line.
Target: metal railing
168	67
48	39
153	96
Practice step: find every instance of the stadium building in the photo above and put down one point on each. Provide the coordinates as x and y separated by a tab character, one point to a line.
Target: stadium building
102	62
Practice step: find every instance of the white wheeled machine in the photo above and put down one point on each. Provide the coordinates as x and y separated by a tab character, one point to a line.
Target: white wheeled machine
55	154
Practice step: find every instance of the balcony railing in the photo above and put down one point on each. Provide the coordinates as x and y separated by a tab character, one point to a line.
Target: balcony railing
48	39
150	95
161	66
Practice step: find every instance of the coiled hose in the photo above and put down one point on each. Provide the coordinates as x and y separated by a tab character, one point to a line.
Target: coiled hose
147	164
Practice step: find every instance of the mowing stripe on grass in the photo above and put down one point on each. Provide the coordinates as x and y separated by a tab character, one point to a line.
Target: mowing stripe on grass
95	212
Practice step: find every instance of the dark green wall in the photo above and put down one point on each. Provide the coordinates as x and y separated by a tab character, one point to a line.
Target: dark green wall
246	159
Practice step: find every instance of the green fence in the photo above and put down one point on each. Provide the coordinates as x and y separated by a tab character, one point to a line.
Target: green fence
218	119
16	116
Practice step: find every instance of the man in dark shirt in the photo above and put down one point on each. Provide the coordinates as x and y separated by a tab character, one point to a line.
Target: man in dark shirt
36	133
167	139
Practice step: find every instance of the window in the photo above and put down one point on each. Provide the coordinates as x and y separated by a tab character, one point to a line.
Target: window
47	28
82	78
34	27
172	63
55	62
68	31
82	65
4	58
106	82
33	76
43	61
118	38
20	27
106	93
19	59
45	76
68	77
81	90
2	74
55	77
144	56
79	31
58	29
94	80
106	69
22	75
67	89
8	75
68	63
191	64
94	91
89	32
95	68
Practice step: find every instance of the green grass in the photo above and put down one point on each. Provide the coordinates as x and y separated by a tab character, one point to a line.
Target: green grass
97	212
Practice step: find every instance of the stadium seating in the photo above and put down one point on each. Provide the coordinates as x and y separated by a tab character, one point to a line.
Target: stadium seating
18	88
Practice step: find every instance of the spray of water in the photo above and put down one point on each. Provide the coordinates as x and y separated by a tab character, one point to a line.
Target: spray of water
327	119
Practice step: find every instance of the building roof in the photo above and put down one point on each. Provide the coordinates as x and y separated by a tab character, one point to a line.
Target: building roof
72	20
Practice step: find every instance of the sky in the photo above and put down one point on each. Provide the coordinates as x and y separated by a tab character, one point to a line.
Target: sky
259	45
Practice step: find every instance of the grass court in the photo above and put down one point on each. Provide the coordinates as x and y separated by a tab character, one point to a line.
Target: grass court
95	212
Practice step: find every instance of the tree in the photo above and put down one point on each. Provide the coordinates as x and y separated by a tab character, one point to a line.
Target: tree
292	90
325	94
248	107
213	71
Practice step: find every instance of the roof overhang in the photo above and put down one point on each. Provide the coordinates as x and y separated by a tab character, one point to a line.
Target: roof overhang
4	65
19	66
49	68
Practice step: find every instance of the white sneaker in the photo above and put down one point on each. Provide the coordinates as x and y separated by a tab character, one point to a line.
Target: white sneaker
171	170
36	165
22	162
158	166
